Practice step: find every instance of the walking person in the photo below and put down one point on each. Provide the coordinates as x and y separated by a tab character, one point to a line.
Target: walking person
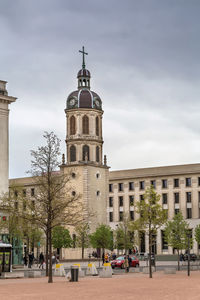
41	260
30	260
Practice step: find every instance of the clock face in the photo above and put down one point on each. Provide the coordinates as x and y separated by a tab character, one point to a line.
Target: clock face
72	102
97	103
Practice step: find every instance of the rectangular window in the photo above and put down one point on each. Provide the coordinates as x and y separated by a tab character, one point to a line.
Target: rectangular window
141	185
16	194
198	181
164	243
188	197
24	193
189	213
132	215
110	188
32	192
110	216
141	197
120	187
176	197
153	183
121	201
164	198
176	182
131	186
188	182
164	183
176	211
110	201
121	216
131	200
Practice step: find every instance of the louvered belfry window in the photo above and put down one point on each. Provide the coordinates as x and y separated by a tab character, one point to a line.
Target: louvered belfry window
97	154
86	153
72	153
72	125
85	125
97	126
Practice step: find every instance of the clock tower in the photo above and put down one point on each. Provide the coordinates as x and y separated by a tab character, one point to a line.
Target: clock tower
84	149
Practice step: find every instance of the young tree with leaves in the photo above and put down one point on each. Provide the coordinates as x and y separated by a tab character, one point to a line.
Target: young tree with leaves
151	217
197	235
124	234
82	236
102	238
61	238
176	234
54	204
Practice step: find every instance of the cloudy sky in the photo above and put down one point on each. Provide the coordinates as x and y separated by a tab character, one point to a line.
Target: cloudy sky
144	58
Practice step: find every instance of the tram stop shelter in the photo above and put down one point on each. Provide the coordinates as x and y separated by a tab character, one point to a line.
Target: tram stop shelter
5	257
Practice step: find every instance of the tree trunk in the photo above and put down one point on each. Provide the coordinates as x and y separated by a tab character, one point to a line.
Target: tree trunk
50	258
150	243
178	260
47	254
82	252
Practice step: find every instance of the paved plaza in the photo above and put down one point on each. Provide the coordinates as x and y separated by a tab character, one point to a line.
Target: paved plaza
124	287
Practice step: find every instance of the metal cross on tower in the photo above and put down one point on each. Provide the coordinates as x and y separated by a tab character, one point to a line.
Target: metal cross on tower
84	53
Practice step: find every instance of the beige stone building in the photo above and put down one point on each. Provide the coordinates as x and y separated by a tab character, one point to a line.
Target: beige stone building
179	190
109	195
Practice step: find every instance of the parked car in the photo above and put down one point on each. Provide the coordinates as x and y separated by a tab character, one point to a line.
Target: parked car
119	262
193	257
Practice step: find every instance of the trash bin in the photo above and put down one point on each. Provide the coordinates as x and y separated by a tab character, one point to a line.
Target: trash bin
74	273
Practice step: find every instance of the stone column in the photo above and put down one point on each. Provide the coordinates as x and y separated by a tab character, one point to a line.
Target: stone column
5	100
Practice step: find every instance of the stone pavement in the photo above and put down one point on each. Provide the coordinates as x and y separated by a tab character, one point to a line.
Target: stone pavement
121	287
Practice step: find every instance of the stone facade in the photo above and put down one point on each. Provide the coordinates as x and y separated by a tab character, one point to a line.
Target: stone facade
5	100
178	187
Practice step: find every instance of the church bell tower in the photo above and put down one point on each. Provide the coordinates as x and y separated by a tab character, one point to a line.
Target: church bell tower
84	147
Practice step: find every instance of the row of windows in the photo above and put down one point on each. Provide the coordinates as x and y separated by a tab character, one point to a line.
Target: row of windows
24	193
85	153
132	217
85	125
188	183
164	199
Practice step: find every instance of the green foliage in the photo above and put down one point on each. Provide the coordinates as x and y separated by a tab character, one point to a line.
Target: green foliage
124	234
102	237
176	232
197	233
61	237
151	217
151	214
82	235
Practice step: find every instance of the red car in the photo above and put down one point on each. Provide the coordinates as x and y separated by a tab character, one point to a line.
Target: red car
119	262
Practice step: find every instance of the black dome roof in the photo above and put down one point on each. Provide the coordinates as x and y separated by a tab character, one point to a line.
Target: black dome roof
84	98
83	73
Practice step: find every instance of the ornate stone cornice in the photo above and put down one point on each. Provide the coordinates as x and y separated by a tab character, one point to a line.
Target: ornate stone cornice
7	99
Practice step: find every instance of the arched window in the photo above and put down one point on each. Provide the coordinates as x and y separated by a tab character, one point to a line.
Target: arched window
72	125
85	125
86	153
97	153
97	126
72	153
